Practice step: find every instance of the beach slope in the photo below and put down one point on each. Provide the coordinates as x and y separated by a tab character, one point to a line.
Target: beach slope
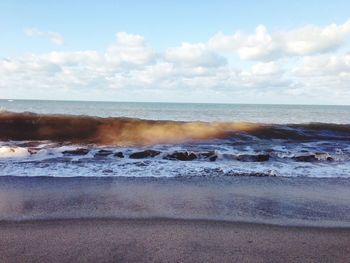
164	240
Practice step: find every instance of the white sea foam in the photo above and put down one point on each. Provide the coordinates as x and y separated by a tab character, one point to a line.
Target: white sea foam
13	152
49	159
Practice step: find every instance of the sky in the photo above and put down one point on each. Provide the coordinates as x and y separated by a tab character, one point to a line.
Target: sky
276	52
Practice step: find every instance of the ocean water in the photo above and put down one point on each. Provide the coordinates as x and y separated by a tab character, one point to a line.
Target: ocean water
276	114
68	139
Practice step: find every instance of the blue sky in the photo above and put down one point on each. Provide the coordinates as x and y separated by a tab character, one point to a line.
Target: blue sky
200	51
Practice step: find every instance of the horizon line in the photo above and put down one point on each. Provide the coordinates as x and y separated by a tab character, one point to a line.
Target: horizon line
177	102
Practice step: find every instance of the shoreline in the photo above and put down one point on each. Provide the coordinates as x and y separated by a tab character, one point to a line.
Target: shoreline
160	240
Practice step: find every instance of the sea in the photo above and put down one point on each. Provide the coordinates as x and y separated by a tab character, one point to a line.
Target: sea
133	139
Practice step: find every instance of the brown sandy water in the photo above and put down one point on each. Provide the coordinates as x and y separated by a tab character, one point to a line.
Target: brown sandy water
129	131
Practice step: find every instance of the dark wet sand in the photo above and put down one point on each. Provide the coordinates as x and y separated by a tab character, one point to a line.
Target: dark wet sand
163	240
281	201
319	209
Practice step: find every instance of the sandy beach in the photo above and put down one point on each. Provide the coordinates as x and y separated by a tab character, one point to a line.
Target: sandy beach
174	220
162	240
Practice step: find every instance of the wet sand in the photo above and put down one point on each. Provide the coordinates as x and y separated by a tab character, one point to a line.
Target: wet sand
281	201
163	240
174	220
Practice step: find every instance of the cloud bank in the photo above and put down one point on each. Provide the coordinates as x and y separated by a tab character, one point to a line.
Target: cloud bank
265	45
310	64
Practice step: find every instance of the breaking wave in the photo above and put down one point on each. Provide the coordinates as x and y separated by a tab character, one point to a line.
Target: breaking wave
138	132
67	145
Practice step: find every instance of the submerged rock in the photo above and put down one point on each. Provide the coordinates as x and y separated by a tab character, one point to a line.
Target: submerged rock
142	164
29	144
313	157
324	157
305	158
119	155
253	158
79	151
253	174
144	154
33	150
181	156
211	155
103	153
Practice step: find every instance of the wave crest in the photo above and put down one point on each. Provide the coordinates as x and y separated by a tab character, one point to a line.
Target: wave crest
131	132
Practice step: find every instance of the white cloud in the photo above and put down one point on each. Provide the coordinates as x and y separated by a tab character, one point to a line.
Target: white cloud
323	76
129	69
129	49
54	37
269	68
194	55
258	46
263	45
313	39
324	66
89	70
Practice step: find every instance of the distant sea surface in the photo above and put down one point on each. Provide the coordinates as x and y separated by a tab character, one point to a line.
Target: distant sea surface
68	139
257	113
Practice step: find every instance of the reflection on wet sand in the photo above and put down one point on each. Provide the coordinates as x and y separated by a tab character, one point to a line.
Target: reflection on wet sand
278	201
